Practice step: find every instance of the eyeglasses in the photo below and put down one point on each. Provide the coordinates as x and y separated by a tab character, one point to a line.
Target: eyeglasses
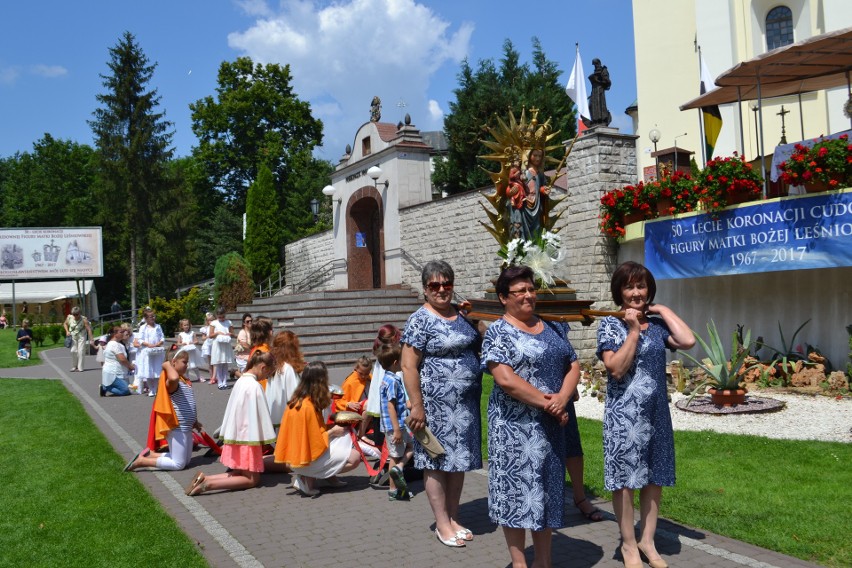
522	292
435	286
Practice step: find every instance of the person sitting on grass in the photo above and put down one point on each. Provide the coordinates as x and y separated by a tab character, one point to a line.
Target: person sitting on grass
175	416
24	340
394	412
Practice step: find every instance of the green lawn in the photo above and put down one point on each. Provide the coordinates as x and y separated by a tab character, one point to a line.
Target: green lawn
8	347
789	496
65	500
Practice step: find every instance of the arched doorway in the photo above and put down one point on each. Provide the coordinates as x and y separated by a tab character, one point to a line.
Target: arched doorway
365	239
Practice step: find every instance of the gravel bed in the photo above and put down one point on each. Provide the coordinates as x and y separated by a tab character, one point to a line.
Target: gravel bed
804	417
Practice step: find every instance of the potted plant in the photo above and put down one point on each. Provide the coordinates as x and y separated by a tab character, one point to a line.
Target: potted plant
722	370
728	181
677	194
625	205
827	164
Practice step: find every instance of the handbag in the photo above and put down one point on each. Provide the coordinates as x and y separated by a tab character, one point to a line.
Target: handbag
429	442
69	341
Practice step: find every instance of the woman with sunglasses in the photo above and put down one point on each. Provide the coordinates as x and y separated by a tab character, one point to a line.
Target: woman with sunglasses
535	373
442	374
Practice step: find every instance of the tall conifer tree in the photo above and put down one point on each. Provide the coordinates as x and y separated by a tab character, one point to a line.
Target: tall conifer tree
133	141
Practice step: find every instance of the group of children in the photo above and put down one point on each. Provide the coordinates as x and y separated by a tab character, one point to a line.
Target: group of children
280	400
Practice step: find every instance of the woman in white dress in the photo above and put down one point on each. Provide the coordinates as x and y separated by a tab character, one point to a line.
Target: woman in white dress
221	352
149	359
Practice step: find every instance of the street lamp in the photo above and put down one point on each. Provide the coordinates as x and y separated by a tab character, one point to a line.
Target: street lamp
655	135
315	208
679	136
375	172
755	108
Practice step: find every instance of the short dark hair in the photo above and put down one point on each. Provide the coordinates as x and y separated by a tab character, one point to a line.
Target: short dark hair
436	268
627	273
388	354
511	273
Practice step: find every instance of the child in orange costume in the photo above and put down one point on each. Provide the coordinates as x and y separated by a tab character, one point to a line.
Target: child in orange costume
304	443
246	427
354	387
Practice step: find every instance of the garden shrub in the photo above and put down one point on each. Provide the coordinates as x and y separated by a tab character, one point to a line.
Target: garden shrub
234	283
55	332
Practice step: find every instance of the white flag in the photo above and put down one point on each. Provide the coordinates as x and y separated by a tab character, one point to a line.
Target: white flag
576	87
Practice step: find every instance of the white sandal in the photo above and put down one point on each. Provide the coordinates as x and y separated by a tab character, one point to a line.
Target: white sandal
452	542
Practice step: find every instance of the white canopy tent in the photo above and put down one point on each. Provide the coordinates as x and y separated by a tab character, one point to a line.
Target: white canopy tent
42	295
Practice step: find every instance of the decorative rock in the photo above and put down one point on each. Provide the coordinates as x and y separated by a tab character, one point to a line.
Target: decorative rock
808	377
837	381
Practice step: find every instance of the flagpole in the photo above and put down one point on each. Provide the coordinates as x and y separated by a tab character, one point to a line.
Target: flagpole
701	116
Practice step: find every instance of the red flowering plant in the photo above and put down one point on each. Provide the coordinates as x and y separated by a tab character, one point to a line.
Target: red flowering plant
620	202
829	161
677	194
727	180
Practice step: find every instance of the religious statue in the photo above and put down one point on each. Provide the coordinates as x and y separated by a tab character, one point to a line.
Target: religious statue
597	101
376	110
522	199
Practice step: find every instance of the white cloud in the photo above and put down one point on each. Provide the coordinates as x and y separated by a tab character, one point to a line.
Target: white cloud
49	71
435	111
344	53
8	75
255	7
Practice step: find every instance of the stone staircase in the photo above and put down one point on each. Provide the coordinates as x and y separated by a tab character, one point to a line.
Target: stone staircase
335	326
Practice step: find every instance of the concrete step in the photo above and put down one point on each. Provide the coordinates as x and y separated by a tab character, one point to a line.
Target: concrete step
336	327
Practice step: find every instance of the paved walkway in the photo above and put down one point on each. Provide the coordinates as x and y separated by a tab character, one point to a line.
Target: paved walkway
272	525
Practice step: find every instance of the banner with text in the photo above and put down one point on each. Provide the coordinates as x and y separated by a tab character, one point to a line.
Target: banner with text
60	252
790	234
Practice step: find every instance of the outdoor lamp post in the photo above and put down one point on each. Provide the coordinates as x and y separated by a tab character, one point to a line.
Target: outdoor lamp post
755	108
654	135
375	172
315	208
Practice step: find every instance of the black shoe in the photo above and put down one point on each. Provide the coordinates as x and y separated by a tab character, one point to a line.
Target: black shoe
103	390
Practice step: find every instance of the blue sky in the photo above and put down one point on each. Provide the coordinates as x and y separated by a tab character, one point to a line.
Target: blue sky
341	54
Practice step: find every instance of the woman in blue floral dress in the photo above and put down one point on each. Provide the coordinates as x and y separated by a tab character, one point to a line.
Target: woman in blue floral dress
443	377
535	373
637	430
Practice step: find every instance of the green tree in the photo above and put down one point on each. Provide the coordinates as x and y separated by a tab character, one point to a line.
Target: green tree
50	187
133	142
234	285
262	242
255	119
491	92
217	234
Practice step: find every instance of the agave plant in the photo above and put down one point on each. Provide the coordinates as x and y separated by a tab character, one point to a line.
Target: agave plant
722	370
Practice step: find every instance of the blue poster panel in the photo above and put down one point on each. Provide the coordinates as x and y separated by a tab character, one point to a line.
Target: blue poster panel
791	234
361	240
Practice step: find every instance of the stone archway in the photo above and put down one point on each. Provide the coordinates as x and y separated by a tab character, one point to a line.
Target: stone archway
365	239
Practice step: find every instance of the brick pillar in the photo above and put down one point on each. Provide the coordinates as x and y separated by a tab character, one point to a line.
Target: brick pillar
602	159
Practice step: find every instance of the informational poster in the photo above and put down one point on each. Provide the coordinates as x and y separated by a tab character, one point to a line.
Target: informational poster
38	253
361	240
813	231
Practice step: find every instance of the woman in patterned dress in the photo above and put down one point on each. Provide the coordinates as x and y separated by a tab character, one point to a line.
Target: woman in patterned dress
637	429
442	375
535	373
